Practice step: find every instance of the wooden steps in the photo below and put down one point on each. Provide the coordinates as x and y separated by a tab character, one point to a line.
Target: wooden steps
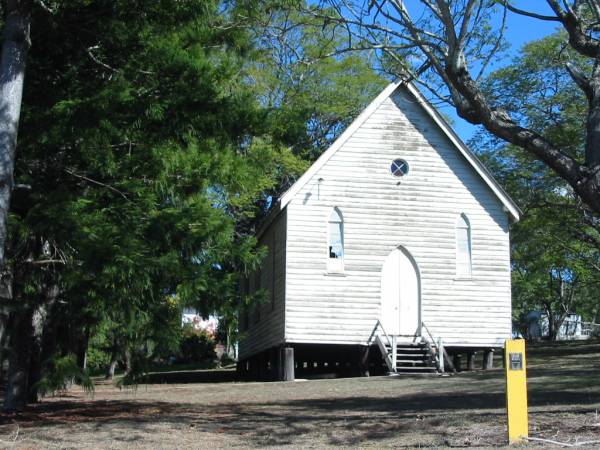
414	358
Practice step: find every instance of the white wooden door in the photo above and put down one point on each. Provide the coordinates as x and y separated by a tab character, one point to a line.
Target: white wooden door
400	305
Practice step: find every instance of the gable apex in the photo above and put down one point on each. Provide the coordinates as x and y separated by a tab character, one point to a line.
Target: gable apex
509	205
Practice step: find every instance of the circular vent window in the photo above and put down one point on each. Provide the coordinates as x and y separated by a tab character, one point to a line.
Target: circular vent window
399	168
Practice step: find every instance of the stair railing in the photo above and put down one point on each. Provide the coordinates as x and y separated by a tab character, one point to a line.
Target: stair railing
390	360
436	348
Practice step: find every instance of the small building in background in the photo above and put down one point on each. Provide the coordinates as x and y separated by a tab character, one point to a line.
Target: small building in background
572	327
190	316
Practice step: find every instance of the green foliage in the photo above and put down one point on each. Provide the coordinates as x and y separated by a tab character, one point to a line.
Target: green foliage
144	146
154	135
97	359
196	346
556	246
62	372
308	103
312	91
140	336
538	92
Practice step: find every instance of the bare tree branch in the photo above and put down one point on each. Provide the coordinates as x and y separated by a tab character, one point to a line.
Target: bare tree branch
582	81
42	4
522	12
573	24
99	183
93	57
494	50
453	39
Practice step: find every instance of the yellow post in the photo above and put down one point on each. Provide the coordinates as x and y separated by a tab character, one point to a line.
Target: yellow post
516	390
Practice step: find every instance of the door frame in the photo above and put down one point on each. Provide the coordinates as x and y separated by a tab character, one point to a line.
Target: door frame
413	261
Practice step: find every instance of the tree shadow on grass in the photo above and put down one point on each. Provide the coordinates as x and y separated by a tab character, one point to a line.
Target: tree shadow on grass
564	348
337	421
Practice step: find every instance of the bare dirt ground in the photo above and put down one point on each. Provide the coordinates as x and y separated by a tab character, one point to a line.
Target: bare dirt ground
466	410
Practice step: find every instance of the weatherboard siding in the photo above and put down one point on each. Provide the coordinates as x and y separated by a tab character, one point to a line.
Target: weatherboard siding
381	212
268	330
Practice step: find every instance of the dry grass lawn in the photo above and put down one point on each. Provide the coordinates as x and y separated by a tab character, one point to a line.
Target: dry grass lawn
466	410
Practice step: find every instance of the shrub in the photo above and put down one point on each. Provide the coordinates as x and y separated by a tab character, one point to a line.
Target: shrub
97	359
196	346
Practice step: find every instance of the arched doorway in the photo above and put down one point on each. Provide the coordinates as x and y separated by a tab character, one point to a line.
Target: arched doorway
401	295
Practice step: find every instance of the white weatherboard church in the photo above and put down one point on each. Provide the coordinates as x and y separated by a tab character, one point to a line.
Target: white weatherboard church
392	249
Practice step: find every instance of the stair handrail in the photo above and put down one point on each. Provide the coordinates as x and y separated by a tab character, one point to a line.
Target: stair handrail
441	356
390	358
432	343
429	333
384	352
380	325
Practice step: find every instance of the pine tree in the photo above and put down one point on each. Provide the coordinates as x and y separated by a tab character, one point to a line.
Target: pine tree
142	145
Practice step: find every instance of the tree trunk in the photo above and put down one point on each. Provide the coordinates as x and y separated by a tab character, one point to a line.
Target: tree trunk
555	321
551	321
128	362
82	350
35	365
15	45
114	359
5	320
592	148
19	361
552	331
4	326
230	347
51	330
6	300
40	332
110	372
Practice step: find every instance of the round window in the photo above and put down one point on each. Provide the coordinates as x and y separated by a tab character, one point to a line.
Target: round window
399	168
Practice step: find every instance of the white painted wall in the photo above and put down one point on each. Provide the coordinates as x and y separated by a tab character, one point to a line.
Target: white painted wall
381	212
268	330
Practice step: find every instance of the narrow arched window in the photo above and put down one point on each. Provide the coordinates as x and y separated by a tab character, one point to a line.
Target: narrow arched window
463	247
336	240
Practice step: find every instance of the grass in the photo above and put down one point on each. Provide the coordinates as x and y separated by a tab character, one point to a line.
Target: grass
466	410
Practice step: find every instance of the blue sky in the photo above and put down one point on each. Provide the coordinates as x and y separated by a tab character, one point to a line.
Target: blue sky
519	30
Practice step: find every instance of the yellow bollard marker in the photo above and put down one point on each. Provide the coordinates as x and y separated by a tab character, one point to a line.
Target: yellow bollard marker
516	390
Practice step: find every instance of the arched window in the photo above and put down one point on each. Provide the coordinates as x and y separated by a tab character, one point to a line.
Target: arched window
463	247
336	240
